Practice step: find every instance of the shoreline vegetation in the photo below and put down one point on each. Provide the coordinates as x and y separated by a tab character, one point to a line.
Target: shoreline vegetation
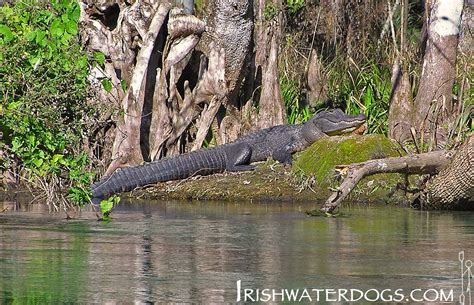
73	110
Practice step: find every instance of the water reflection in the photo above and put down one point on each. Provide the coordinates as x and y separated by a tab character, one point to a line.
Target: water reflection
195	252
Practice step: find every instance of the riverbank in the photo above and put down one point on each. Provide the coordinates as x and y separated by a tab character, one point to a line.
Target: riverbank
309	179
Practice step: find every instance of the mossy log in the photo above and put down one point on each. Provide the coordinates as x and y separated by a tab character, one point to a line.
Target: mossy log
452	187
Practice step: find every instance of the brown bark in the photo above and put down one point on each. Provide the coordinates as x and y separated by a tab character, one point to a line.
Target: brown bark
401	105
434	105
212	88
156	112
401	101
268	35
160	122
453	187
316	82
230	27
466	35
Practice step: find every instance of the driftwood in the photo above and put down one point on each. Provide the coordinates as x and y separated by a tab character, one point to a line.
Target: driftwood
453	183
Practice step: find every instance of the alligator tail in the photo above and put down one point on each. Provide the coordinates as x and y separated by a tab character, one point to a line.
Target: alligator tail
201	162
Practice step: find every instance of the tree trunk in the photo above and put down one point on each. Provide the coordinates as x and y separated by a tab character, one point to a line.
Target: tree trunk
230	25
401	101
159	106
268	35
466	35
316	82
434	104
401	105
453	187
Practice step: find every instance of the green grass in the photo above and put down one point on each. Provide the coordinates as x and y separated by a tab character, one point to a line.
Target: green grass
364	88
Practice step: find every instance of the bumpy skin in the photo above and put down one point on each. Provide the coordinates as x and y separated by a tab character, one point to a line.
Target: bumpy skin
278	142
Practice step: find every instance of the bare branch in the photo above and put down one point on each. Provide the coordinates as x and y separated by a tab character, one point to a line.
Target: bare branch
427	163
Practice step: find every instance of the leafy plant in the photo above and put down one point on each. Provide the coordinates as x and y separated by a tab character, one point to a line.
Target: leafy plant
291	93
270	11
106	207
43	84
293	6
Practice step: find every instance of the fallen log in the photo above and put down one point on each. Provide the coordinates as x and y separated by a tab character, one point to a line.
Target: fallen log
452	186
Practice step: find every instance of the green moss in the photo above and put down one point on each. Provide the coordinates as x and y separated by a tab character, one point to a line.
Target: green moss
320	159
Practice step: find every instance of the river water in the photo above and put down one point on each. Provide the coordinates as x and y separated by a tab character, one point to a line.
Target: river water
197	252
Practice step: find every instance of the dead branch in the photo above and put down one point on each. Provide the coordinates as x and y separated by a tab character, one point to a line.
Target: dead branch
427	163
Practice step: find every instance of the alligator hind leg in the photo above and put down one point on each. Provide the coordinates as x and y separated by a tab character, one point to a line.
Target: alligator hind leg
238	158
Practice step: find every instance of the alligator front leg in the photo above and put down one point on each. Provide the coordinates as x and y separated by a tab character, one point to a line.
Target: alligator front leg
238	158
282	156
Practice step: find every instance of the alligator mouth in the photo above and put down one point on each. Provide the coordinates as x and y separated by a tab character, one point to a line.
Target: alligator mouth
351	126
343	131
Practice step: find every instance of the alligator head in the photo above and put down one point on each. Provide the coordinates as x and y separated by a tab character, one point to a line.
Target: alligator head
332	122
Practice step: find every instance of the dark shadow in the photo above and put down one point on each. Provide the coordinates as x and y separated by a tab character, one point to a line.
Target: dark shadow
150	82
109	16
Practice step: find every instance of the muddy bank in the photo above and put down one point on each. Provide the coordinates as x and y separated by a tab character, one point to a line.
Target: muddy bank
309	179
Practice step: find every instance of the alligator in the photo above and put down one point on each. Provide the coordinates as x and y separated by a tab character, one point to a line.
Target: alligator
278	142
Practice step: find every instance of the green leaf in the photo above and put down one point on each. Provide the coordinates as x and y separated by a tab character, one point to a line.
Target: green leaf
41	38
31	36
106	206
56	158
65	18
16	144
123	84
6	11
65	39
37	162
34	61
6	32
57	28
31	140
107	84
71	27
75	14
99	57
82	62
